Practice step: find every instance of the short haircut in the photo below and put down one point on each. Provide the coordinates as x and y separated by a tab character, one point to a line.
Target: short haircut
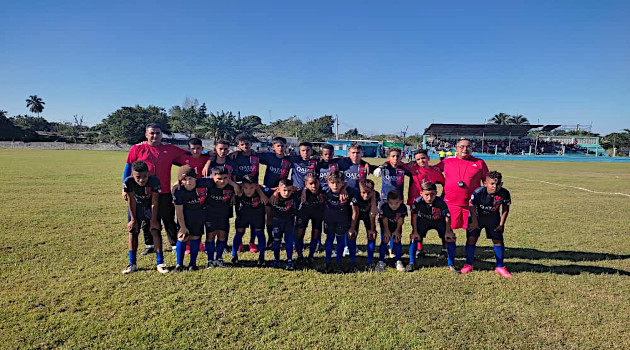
422	151
428	186
285	183
305	144
393	150
185	171
220	170
393	195
195	142
140	167
356	146
328	146
153	126
367	184
249	179
335	176
279	140
222	142
311	176
463	139
242	138
495	175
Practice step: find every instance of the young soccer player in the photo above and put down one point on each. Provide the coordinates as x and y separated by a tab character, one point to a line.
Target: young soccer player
311	209
365	208
190	201
142	191
489	209
430	212
283	213
337	214
250	213
392	216
392	173
219	211
194	157
326	164
302	164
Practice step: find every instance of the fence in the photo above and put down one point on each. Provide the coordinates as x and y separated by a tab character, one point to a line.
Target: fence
64	145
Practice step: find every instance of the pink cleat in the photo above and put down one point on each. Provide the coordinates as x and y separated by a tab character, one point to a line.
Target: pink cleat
253	248
466	269
503	272
240	248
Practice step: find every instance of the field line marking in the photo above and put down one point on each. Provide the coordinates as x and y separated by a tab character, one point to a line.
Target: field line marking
574	187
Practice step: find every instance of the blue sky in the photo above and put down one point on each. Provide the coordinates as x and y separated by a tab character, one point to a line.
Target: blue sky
378	65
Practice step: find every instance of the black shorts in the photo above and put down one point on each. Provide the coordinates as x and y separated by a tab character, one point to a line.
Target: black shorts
336	227
282	226
251	219
217	222
423	226
365	218
313	214
195	221
490	225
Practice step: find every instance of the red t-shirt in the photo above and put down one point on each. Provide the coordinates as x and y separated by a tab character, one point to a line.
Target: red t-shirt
420	176
197	163
471	171
159	159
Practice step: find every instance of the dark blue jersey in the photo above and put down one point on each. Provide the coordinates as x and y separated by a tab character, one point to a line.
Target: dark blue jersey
249	205
219	200
335	208
194	199
285	207
489	205
392	216
365	206
246	165
393	179
431	212
313	200
323	168
142	194
277	168
354	172
299	169
229	165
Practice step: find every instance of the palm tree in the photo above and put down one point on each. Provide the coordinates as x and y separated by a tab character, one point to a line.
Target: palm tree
3	114
518	120
220	125
35	104
500	119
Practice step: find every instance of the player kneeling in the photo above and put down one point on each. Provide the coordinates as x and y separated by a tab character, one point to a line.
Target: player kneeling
143	210
490	206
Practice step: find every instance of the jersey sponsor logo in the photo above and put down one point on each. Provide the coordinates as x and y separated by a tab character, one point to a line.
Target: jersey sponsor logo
362	173
255	202
400	176
333	167
437	213
284	168
227	195
147	191
202	193
255	163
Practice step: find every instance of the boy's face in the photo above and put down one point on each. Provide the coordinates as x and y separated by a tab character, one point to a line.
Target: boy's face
244	146
327	154
285	191
220	179
195	150
422	160
154	136
366	193
279	148
189	182
141	178
354	155
394	203
222	150
393	158
311	184
335	185
429	196
249	189
306	152
492	185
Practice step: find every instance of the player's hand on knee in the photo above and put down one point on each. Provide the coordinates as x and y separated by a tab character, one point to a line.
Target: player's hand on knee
131	225
500	228
371	235
473	226
397	236
182	233
450	236
124	195
414	236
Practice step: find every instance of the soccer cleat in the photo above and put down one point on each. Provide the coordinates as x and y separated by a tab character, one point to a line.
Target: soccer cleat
359	251
309	262
409	268
299	261
333	254
466	269
320	248
219	263
253	248
234	260
193	268
380	266
274	264
443	254
503	272
400	266
453	269
346	251
211	264
162	268
289	266
329	267
179	268
174	248
148	250
240	248
130	268
419	253
261	263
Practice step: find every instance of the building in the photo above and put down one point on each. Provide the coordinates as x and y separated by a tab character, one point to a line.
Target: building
370	148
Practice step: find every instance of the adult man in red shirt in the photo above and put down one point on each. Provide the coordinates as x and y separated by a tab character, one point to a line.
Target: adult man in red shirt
160	158
463	174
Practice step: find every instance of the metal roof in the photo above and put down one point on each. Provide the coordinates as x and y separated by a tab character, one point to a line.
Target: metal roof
481	129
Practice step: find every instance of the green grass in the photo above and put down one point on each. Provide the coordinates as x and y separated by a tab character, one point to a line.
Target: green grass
64	244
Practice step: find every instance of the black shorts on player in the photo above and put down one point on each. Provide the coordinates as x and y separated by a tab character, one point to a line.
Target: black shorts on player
314	215
365	218
490	225
424	226
252	219
217	223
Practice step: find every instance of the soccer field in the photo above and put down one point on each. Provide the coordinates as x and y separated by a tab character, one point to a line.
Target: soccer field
62	226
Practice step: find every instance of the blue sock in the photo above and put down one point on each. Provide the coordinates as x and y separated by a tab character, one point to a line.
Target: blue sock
330	239
391	243
499	250
299	246
252	236
288	245
194	251
352	246
132	257
220	249
382	251
276	248
159	258
340	246
262	244
312	247
470	254
180	251
413	247
398	250
450	253
238	240
371	246
210	250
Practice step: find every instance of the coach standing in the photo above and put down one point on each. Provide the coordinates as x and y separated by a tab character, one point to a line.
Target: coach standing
159	157
463	174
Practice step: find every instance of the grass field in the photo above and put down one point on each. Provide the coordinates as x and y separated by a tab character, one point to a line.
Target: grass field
64	244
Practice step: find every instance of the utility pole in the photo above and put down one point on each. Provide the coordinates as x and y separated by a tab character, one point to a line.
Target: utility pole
336	127
269	115
404	134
